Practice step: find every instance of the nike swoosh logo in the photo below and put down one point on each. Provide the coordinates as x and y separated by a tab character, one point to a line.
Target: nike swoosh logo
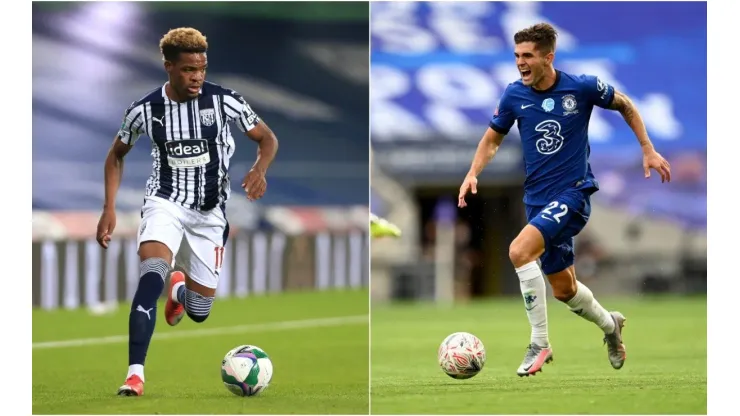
529	309
526	106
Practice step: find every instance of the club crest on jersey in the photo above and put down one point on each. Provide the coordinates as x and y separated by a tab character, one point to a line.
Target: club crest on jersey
548	105
569	105
207	117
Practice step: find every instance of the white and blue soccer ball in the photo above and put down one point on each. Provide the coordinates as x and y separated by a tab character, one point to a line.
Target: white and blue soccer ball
461	355
246	370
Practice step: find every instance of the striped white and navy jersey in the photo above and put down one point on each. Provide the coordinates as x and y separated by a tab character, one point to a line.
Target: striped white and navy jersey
191	143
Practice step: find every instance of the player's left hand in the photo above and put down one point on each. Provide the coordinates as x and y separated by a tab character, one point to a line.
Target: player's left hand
255	184
653	160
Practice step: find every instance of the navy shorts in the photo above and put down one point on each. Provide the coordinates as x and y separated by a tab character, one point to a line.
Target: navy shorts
559	222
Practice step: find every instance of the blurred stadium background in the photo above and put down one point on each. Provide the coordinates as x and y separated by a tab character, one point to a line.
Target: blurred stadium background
303	69
438	70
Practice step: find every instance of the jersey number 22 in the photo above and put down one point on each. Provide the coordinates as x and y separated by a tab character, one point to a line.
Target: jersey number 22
547	212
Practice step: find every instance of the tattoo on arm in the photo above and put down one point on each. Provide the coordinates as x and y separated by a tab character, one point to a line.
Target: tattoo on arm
627	109
624	105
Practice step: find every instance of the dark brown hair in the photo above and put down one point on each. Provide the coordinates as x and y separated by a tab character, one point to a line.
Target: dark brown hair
543	35
183	39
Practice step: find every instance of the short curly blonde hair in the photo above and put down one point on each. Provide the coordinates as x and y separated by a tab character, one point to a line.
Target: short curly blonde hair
182	39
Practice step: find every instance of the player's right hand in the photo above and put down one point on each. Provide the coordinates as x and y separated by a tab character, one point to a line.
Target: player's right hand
106	225
469	184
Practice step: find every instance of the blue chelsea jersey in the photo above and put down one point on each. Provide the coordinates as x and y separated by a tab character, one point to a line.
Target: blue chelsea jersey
553	125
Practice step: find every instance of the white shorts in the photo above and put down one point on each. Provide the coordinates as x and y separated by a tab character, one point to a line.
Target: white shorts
195	238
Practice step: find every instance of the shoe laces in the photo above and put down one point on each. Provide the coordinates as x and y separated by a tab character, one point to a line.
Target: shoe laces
532	351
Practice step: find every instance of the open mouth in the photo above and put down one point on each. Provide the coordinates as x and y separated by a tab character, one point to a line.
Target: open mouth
525	73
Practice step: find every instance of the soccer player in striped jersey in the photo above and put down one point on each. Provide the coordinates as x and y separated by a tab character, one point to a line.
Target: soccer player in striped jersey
183	216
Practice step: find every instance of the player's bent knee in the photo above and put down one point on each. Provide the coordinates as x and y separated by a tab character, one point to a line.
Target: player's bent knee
520	254
154	249
197	306
527	247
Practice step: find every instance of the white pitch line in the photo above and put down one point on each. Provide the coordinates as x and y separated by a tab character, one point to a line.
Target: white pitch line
197	333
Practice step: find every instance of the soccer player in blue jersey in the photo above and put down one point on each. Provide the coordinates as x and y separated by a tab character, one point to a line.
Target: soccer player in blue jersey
552	109
184	213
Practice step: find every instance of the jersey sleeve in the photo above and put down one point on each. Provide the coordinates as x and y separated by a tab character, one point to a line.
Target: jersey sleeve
238	110
598	92
503	117
133	124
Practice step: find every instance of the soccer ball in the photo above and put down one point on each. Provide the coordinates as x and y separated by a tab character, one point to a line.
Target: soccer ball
461	355
246	370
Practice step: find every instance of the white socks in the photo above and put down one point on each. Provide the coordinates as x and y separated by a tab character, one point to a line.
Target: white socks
532	284
137	369
584	305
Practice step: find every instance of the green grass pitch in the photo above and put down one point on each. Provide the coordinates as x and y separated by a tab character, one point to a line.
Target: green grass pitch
665	371
321	365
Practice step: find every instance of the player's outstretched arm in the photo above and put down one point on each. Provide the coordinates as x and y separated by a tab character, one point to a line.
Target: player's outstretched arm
112	177
254	182
651	158
487	148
